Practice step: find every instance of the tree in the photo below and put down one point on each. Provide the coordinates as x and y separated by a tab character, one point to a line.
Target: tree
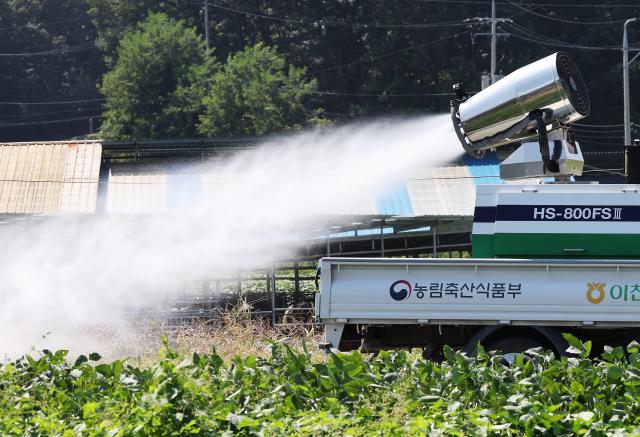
256	93
112	18
47	56
157	83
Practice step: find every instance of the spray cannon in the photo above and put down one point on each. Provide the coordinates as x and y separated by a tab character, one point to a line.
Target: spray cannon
532	105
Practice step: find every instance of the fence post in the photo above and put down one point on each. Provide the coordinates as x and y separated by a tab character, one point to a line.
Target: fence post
273	294
296	283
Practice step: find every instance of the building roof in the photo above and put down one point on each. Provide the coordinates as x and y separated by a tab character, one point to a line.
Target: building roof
63	177
49	177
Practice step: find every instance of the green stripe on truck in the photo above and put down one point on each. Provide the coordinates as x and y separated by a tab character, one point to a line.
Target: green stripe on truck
556	245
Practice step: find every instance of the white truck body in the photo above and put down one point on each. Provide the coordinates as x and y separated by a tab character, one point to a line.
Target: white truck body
389	291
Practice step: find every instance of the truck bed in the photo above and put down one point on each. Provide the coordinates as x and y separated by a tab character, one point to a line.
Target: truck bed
381	291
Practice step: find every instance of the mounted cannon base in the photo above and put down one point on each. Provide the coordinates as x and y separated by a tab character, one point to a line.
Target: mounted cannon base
527	161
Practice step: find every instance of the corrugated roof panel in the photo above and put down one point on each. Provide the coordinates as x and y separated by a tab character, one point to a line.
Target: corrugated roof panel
137	189
442	191
49	178
485	170
395	201
81	171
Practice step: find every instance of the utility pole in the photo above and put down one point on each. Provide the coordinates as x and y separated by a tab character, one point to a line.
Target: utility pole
494	41
206	24
493	77
625	81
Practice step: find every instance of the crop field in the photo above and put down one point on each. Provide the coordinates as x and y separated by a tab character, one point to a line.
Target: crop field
292	390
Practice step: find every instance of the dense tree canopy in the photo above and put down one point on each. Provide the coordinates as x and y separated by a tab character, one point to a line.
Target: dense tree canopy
367	57
254	93
47	55
155	88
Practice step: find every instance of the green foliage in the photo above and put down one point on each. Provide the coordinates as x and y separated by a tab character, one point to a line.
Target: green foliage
64	29
256	93
157	83
379	58
289	393
112	18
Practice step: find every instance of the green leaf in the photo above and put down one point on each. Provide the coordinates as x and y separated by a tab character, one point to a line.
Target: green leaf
81	359
95	356
104	369
576	346
615	372
116	368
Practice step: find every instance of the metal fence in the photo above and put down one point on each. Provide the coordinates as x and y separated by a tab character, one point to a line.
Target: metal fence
283	293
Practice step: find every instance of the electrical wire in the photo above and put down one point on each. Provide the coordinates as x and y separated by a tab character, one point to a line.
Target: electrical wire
604	143
529	11
62	51
601	131
598	134
67	102
596	125
33	123
24	26
599	139
529	35
556	44
336	23
560	44
383	55
597	131
563	5
613	171
331	93
36	114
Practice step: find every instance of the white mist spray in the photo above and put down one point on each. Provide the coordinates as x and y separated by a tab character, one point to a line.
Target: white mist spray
66	275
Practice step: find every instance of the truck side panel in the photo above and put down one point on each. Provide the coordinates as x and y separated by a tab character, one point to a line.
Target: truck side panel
471	291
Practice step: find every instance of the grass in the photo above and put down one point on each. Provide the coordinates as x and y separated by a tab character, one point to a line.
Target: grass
235	333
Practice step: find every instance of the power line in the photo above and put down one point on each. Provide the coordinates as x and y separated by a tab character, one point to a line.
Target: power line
588	138
529	11
383	55
529	35
597	131
336	23
68	20
66	50
67	102
601	143
596	125
564	43
332	93
564	5
619	138
559	44
31	123
613	171
35	114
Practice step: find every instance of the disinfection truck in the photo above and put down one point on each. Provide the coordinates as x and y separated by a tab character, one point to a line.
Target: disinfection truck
547	258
